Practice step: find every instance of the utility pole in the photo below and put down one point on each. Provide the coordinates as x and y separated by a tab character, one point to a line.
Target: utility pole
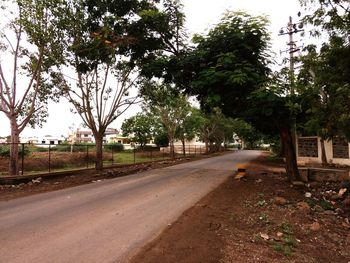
291	29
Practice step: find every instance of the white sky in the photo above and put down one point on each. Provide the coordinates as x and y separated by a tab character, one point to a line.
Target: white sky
201	15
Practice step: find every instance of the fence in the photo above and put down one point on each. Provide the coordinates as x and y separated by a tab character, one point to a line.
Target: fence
46	158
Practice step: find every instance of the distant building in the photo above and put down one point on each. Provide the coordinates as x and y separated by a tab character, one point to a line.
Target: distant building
51	140
31	139
86	136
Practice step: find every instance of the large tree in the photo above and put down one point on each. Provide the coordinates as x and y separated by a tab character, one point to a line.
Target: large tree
141	128
29	45
171	107
229	68
324	78
105	42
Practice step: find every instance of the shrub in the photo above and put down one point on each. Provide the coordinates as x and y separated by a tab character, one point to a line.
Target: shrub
115	147
5	151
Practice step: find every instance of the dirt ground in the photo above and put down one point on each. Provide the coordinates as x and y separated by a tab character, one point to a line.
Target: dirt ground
259	218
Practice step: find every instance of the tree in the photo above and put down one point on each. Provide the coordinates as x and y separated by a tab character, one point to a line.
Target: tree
246	132
104	43
229	69
324	78
190	127
30	40
325	93
171	107
140	127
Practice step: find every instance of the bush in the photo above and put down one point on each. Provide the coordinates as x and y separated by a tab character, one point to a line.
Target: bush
115	147
5	151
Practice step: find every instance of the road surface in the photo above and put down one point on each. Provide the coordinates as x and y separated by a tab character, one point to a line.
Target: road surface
107	221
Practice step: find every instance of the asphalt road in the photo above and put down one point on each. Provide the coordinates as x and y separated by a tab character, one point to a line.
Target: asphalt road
110	220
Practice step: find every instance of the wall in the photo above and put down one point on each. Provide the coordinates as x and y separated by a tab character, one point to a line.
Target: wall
309	151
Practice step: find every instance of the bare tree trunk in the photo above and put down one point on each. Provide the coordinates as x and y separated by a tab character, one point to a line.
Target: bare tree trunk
289	154
206	147
323	153
183	147
13	165
172	148
99	154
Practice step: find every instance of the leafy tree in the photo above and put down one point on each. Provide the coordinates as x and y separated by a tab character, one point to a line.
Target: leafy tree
330	16
104	42
171	107
229	69
324	78
30	39
190	127
325	95
246	132
141	128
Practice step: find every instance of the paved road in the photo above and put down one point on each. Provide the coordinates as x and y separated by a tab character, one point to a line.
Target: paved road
107	221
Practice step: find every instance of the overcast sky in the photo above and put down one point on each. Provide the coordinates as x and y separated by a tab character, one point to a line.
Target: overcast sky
200	15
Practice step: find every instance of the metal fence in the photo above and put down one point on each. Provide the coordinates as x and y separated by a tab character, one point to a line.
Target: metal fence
47	158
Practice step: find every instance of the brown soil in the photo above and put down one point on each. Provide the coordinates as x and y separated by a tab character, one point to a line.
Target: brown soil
242	222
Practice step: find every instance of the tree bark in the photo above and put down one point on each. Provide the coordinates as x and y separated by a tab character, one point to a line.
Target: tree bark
172	148
289	154
13	165
99	153
183	147
323	153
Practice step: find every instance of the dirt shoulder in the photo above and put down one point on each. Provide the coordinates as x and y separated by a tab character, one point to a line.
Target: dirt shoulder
52	182
260	218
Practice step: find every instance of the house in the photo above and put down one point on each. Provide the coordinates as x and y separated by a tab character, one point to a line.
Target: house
50	140
309	151
86	136
30	139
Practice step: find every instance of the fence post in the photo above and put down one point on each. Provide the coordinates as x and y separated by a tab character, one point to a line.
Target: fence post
49	158
87	156
22	158
163	154
134	155
151	153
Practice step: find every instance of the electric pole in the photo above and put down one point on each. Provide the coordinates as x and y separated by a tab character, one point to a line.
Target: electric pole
291	29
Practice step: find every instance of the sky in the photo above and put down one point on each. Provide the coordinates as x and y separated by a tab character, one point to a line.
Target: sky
201	15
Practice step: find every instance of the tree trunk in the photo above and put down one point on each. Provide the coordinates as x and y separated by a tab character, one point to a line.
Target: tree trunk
99	154
183	147
289	154
172	148
323	153
206	147
13	165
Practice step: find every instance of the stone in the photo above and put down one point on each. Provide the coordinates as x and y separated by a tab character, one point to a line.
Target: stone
303	206
279	234
308	195
315	226
264	236
279	200
342	192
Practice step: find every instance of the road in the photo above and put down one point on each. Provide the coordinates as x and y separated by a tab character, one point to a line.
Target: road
107	221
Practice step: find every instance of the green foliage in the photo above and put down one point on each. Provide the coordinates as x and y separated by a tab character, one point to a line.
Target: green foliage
229	63
5	151
140	128
115	147
161	139
331	16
